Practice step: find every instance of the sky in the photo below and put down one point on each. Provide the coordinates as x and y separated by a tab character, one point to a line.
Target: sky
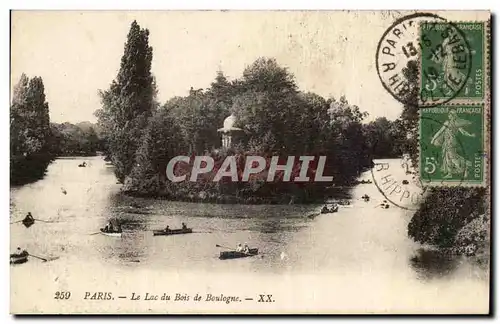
78	52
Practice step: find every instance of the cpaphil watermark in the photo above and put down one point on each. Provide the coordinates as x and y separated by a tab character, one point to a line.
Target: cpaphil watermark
233	168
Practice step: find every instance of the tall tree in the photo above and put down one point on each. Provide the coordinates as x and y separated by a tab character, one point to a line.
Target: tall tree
201	113
348	149
18	122
222	90
29	131
409	116
268	108
129	102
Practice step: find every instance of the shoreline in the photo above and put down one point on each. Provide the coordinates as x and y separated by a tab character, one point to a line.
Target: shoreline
227	199
340	192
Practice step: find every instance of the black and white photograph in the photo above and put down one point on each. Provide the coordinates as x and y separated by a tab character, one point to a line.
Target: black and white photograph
250	162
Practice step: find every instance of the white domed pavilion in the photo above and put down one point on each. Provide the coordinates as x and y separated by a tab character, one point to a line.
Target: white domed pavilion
228	131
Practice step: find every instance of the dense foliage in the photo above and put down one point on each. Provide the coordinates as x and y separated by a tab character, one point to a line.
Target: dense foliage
445	212
129	102
79	139
30	134
386	138
277	120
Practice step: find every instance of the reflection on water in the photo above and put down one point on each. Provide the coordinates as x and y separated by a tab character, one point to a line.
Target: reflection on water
364	242
431	264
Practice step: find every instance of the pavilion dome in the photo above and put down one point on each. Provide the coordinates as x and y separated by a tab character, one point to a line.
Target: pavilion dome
229	123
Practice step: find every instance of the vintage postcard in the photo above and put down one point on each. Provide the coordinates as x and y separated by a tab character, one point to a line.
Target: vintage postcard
250	162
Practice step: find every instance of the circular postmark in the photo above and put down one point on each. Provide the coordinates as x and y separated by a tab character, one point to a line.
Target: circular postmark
398	183
424	60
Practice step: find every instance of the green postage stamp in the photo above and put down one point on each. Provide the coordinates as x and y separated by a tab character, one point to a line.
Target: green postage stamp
452	145
453	103
452	62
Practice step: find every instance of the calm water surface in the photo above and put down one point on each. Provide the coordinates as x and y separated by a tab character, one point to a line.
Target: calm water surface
364	251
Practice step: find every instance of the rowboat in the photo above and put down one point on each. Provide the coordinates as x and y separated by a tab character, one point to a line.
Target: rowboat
346	206
28	222
173	232
19	258
330	211
235	254
114	234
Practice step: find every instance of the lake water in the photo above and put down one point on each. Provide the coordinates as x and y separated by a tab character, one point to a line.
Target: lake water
356	260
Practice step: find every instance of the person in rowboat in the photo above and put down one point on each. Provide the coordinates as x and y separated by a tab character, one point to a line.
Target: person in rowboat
239	248
167	229
246	249
108	228
184	227
19	253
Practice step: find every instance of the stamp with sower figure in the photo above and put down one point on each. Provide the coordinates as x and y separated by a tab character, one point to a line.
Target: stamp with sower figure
452	136
452	64
452	145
